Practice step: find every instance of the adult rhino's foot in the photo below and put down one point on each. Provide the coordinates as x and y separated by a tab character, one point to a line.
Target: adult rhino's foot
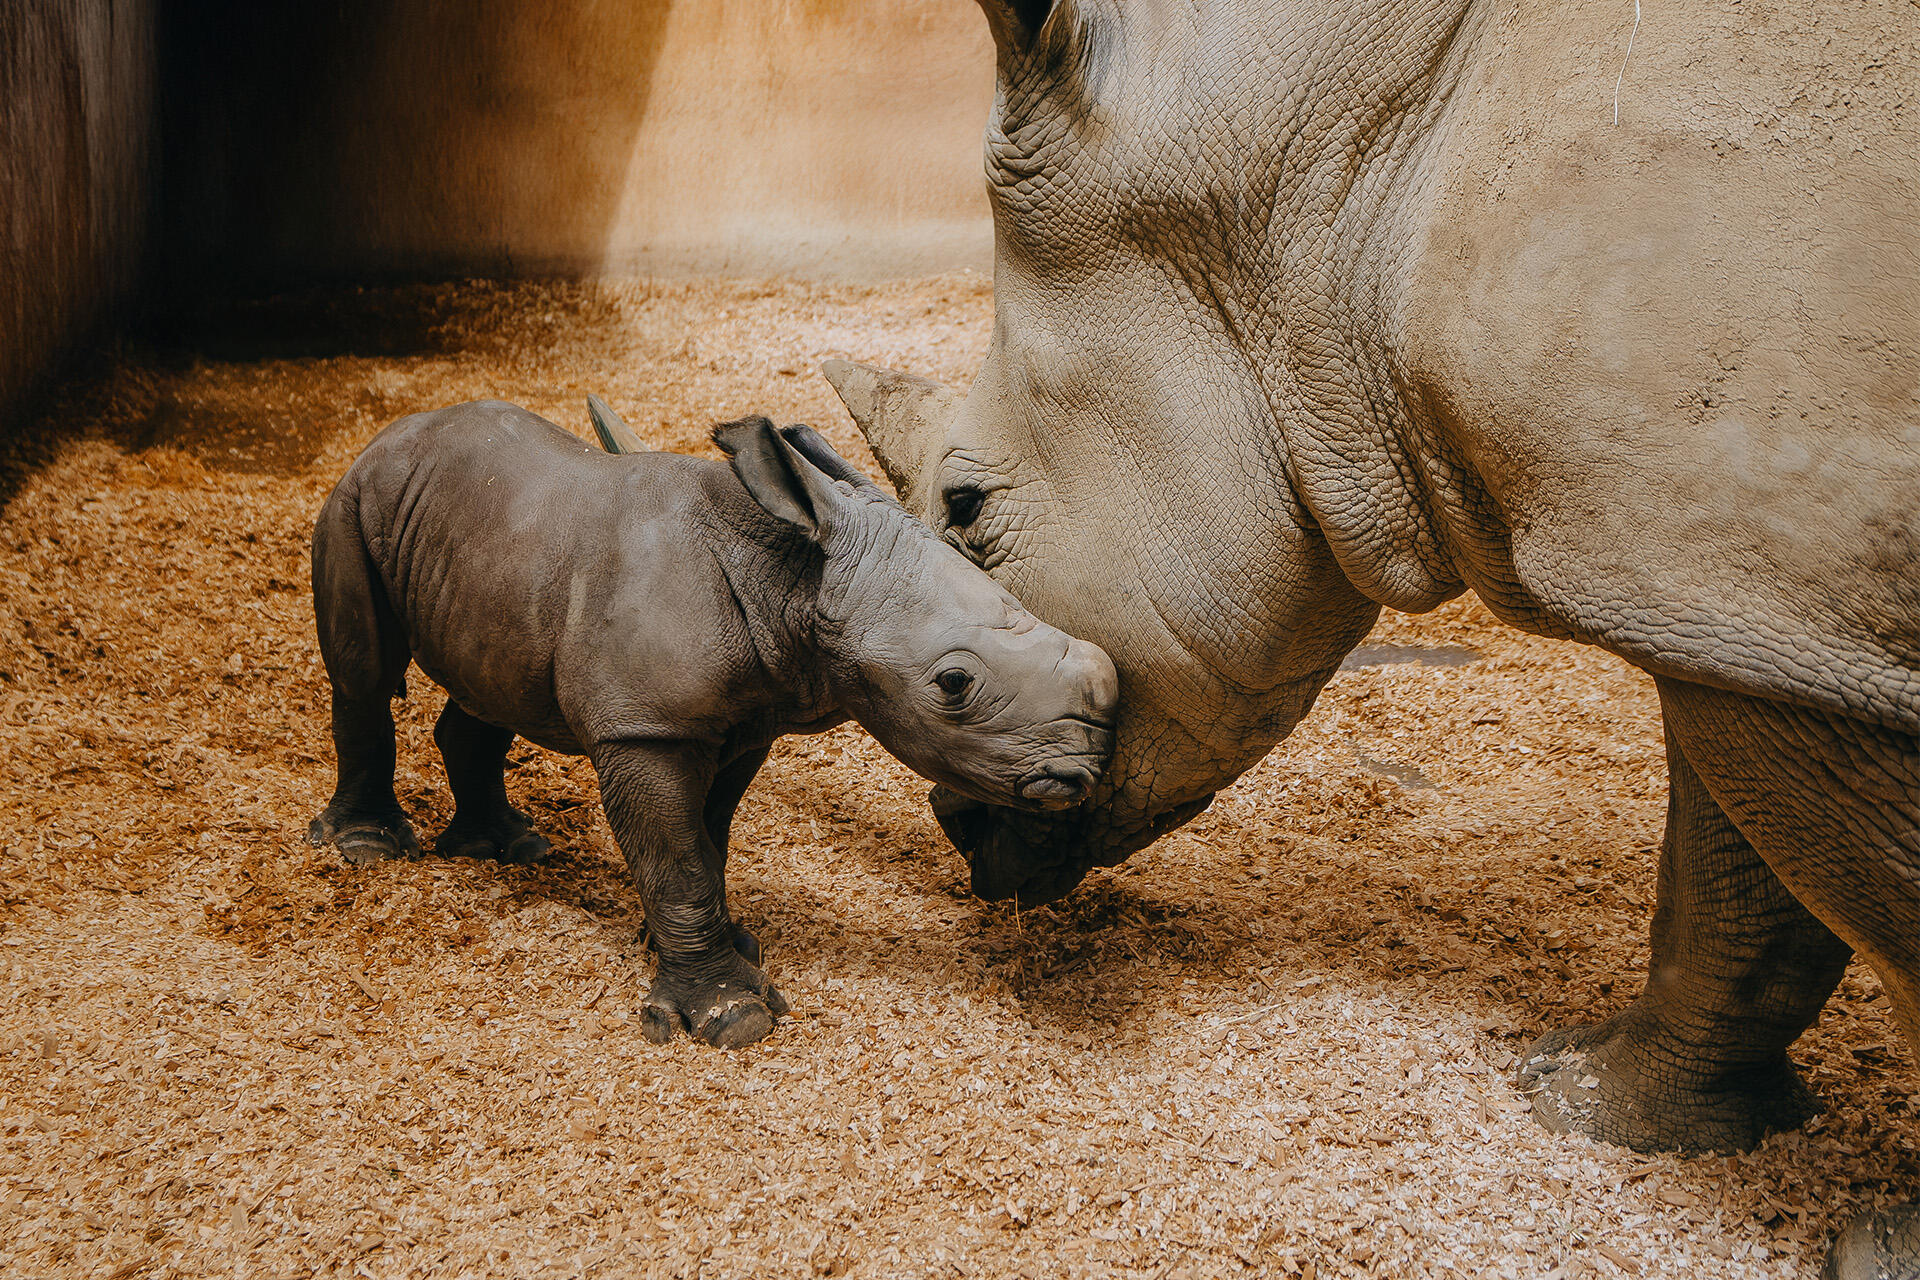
728	1004
1622	1081
363	838
506	836
1884	1245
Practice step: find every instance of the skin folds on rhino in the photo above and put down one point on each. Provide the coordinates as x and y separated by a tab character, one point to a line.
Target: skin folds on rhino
1307	309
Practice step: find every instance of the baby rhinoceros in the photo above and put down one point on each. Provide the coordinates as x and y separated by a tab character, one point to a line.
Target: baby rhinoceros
669	617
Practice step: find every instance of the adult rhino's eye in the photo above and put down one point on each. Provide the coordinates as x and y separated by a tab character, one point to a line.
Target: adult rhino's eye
963	506
953	681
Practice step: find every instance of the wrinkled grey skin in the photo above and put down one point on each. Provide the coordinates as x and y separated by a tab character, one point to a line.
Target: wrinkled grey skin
1305	309
669	617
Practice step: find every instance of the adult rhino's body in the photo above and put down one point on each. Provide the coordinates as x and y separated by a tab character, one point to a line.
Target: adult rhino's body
1306	309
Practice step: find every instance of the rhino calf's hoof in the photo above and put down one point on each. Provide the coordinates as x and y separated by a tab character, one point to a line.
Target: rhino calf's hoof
363	841
659	1023
732	1025
736	1024
728	1012
509	839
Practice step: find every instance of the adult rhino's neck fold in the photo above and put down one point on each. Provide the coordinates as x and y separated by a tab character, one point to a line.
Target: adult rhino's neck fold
1371	489
1360	449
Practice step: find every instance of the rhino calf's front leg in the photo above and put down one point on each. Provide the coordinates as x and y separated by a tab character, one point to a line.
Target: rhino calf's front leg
655	796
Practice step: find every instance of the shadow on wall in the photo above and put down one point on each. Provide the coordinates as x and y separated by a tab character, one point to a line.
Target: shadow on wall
396	138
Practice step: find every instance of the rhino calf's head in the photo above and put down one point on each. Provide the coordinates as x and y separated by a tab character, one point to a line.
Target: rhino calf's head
944	667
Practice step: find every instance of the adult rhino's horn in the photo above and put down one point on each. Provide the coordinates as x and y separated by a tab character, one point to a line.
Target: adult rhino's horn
903	417
615	435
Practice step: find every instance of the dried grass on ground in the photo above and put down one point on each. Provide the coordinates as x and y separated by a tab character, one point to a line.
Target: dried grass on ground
1276	1043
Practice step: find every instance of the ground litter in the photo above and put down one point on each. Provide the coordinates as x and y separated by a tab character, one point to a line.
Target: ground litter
1276	1043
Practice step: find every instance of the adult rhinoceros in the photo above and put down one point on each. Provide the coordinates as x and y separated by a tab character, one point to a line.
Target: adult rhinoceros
1308	308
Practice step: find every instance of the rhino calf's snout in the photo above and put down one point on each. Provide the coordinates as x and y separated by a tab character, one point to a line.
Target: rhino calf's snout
1088	673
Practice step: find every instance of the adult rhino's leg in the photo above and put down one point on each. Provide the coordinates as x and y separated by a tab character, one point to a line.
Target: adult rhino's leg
485	824
1834	806
655	795
1740	968
365	651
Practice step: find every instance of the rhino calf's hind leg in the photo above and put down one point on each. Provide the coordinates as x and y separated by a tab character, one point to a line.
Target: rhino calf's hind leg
364	820
485	824
1740	968
366	656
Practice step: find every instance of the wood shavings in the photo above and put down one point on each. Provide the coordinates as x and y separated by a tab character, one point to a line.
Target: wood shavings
223	1049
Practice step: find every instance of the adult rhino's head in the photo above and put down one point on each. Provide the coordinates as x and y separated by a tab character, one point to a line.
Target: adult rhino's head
932	656
1122	461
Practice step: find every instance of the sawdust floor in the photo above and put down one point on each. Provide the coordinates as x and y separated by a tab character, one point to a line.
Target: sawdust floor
1276	1043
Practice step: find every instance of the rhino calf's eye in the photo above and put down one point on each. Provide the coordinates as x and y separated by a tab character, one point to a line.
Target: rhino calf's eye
953	681
963	506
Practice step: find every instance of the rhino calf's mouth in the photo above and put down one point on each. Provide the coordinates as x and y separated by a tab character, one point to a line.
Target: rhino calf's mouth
1058	788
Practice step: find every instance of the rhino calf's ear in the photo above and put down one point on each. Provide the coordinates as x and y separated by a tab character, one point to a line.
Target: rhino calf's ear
775	475
813	446
1015	23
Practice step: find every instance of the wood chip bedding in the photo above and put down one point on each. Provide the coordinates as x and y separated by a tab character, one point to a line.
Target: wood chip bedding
1277	1043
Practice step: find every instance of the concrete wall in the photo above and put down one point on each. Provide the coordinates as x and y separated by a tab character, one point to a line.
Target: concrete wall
76	107
373	138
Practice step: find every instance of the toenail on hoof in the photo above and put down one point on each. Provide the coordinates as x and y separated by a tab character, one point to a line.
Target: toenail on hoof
528	851
1554	1114
738	1025
657	1024
364	848
777	1002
